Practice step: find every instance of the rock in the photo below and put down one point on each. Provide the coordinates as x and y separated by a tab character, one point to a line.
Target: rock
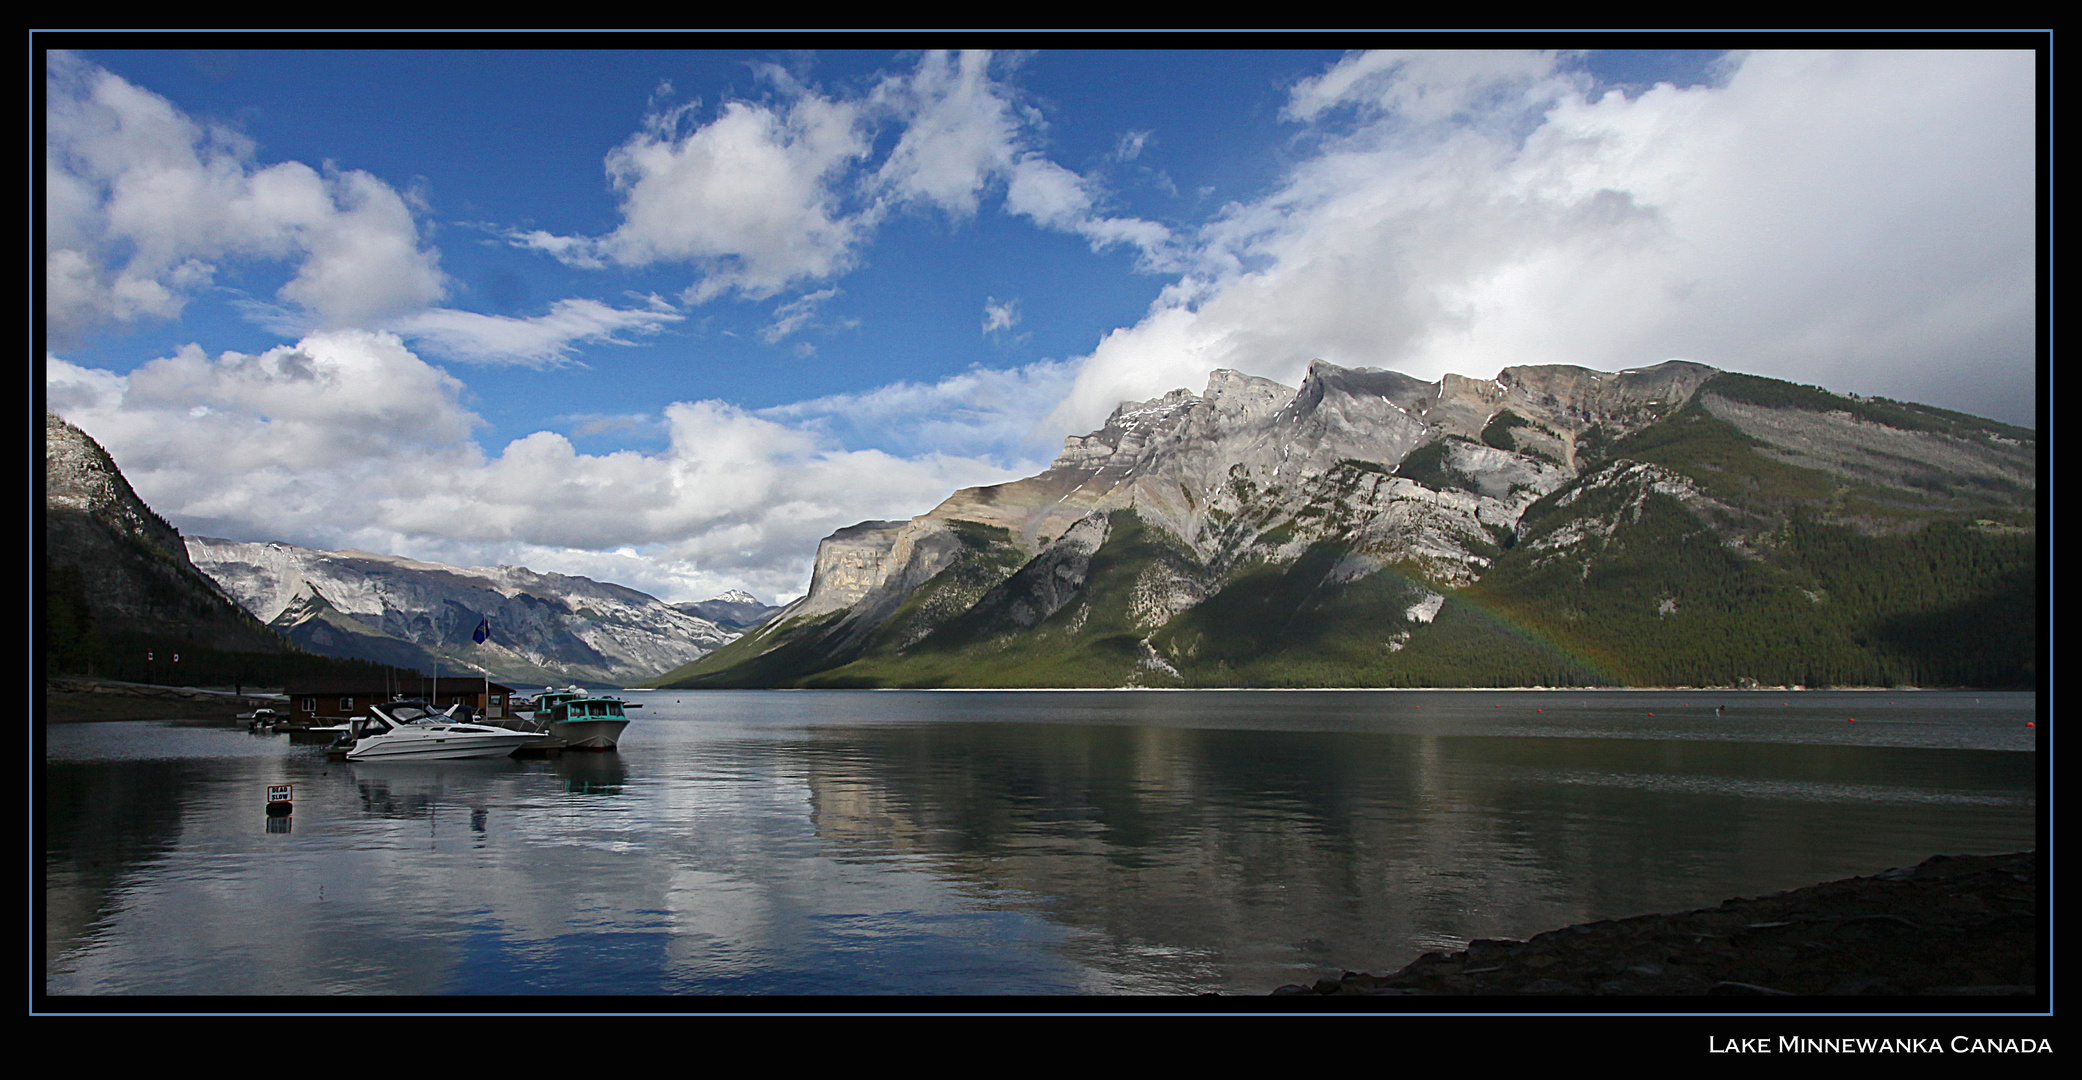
1953	926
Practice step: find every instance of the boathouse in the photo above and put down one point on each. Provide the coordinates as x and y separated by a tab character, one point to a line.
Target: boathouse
333	699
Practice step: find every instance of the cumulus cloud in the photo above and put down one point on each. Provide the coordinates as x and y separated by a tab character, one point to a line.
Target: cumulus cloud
962	132
773	195
749	197
144	205
1860	220
349	439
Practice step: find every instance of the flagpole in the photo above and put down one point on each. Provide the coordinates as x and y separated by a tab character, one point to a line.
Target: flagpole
484	634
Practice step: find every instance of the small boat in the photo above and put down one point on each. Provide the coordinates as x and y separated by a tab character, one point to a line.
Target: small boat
263	719
411	729
584	721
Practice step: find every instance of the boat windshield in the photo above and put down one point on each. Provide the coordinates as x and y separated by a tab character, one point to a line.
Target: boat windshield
415	714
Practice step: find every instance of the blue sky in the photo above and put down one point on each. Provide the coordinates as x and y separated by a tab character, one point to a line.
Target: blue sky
666	318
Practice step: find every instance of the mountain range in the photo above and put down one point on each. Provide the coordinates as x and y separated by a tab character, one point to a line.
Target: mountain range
1668	525
540	628
125	595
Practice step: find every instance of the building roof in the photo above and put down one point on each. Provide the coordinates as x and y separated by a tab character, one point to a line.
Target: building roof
361	685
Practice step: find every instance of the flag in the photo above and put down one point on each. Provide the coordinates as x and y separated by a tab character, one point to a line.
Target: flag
483	632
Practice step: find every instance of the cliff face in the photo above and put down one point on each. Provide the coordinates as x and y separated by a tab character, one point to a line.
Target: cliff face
1251	448
126	569
1665	524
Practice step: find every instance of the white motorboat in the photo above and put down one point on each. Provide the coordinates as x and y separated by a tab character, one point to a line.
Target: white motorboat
413	730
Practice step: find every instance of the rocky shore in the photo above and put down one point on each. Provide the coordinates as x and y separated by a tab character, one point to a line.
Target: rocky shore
1965	926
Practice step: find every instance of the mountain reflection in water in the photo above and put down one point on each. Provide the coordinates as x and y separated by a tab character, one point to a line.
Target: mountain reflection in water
993	843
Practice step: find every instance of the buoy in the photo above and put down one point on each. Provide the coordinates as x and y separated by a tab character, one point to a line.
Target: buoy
1852	720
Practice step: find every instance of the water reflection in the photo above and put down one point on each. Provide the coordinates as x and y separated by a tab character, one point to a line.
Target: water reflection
592	773
985	843
412	789
1279	852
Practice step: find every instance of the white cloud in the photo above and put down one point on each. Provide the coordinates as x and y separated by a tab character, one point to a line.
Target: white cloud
749	197
348	439
576	251
543	339
144	204
962	132
1862	220
768	196
794	315
1424	86
1056	198
987	413
999	316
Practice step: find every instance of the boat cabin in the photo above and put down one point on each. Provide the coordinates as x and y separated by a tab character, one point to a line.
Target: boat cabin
322	702
588	708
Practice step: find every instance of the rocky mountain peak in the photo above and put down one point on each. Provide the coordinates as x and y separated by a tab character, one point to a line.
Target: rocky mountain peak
81	476
124	568
1364	528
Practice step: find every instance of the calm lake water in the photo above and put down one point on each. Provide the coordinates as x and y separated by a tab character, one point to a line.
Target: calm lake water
854	843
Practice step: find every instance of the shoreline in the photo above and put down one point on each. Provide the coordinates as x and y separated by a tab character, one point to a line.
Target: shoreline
73	699
70	699
1339	689
1950	926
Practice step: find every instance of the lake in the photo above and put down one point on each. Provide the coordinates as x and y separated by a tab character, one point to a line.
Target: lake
992	843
